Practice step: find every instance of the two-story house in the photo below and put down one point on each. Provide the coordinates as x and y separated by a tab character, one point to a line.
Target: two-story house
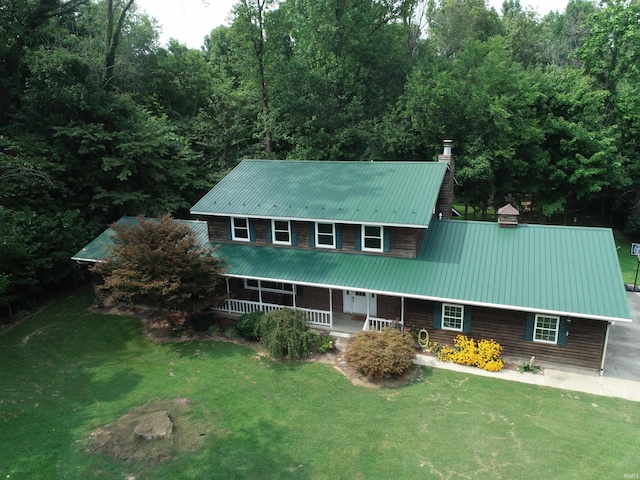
359	245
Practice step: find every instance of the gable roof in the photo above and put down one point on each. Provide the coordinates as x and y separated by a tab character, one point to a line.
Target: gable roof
380	193
98	249
572	271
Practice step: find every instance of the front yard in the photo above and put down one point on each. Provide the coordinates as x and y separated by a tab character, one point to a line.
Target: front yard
69	376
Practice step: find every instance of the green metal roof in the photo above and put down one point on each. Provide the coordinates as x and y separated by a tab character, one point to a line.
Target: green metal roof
388	193
98	249
570	271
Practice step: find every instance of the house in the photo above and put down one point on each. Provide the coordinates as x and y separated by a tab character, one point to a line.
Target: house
360	245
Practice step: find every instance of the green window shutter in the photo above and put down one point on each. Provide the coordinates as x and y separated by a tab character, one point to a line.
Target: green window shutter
227	224
338	233
358	236
466	320
437	315
312	234
563	329
386	237
529	326
294	233
269	232
252	230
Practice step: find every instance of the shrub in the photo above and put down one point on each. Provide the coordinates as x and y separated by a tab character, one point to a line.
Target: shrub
325	343
247	325
214	330
231	332
285	334
484	354
377	354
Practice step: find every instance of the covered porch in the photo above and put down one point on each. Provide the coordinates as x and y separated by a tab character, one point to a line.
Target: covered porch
333	309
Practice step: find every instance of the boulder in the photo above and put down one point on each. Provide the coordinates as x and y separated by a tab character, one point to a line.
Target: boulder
155	425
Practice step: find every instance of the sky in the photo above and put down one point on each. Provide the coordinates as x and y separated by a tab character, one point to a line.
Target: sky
190	20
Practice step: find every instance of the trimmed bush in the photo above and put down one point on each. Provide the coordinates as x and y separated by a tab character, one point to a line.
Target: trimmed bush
378	354
247	325
285	334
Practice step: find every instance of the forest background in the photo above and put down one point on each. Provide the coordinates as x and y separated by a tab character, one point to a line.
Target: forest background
97	120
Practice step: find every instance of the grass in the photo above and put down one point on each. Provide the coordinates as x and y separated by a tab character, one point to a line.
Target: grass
68	371
628	262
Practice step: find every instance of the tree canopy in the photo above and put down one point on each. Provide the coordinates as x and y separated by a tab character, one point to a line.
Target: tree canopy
161	262
97	120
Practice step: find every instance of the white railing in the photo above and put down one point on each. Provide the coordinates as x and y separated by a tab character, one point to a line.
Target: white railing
374	323
233	305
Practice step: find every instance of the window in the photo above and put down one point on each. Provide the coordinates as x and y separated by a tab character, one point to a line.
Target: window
240	229
281	231
452	316
546	329
372	238
268	286
325	235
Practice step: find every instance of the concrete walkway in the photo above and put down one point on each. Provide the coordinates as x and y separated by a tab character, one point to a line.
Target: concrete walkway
577	382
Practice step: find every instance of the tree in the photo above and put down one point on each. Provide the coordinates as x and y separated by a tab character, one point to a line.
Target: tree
161	261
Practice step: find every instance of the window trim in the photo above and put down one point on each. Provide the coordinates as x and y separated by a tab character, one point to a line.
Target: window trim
444	317
364	237
274	230
233	229
333	235
557	329
268	289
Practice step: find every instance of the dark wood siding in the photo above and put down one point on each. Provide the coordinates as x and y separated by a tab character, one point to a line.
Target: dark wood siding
584	342
315	298
405	242
389	307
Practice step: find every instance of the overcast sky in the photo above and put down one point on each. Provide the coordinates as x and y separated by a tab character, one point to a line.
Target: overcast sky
190	20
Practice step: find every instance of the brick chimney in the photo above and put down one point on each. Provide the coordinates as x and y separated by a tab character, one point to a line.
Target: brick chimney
444	205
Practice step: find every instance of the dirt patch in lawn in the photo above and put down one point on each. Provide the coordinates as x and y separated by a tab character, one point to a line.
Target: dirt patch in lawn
119	441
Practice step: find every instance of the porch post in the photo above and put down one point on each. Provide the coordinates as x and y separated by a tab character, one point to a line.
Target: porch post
228	295
295	291
606	342
260	294
331	307
368	297
402	311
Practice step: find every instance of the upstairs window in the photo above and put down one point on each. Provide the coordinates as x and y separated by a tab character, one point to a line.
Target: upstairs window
372	238
452	317
325	235
240	229
546	329
281	231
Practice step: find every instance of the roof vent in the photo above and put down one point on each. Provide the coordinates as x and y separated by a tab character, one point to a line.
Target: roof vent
508	216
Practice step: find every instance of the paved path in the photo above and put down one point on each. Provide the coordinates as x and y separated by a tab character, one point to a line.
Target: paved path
579	382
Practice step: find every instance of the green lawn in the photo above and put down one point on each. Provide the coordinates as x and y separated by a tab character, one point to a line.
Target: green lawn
628	263
67	371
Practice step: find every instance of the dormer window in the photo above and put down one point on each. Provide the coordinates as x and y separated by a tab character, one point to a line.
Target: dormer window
240	229
281	231
372	238
325	235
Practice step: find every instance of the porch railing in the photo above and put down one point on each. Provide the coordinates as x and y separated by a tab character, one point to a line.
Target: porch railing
375	323
315	317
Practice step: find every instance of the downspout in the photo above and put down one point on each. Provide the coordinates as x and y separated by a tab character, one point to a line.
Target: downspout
228	295
604	350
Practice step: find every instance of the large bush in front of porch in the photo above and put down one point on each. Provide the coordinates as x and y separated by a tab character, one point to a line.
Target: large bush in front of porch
376	354
285	334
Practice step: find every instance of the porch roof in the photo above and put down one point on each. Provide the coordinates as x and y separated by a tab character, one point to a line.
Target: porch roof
571	271
383	193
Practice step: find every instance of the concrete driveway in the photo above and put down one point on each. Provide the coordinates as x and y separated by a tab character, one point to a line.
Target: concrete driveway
623	352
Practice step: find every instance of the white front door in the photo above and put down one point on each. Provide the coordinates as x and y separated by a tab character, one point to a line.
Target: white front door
356	302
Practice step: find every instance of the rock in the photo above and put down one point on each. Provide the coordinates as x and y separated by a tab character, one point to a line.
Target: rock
155	425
